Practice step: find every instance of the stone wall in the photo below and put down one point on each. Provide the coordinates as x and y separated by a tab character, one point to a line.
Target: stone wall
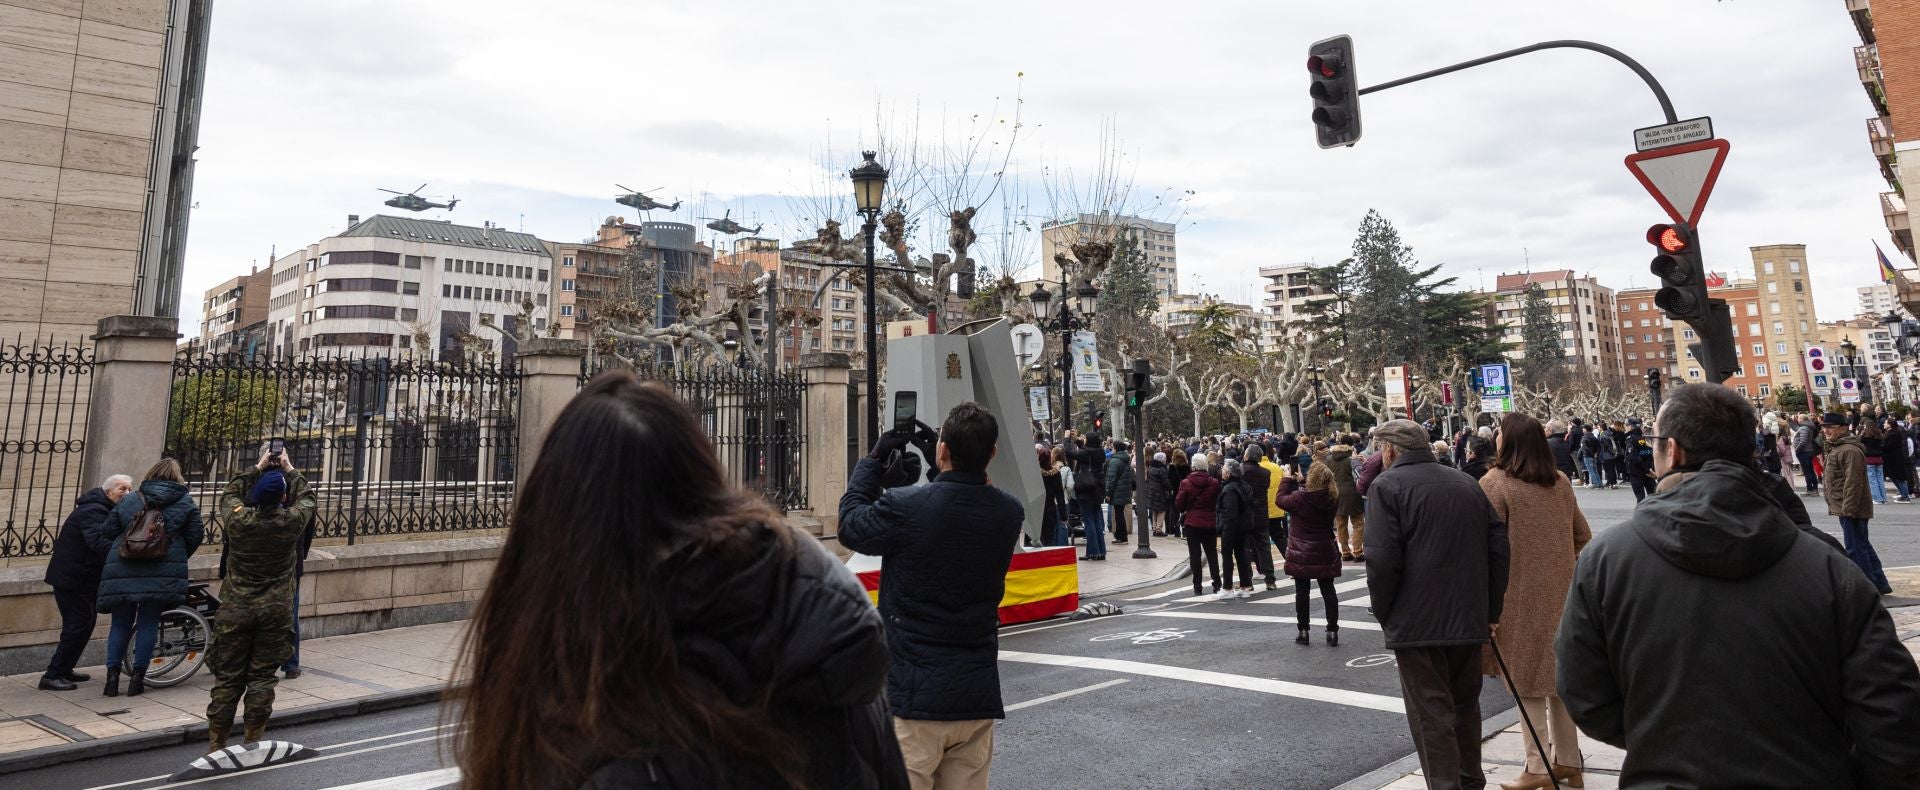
346	589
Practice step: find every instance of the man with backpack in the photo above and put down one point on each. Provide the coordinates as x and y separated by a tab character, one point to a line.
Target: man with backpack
1639	461
1804	450
266	510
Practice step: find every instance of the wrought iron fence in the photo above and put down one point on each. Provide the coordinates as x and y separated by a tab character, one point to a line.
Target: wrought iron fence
43	431
755	419
392	445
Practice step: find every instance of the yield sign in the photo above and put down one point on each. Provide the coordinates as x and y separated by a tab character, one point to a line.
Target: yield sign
1680	177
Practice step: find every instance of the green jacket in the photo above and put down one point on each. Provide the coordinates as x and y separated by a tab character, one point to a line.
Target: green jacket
262	547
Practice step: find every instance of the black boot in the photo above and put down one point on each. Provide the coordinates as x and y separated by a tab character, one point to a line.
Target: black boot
137	682
1305	637
113	680
1333	636
76	677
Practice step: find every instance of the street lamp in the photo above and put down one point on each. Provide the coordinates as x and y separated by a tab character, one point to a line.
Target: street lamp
869	189
1066	321
1313	377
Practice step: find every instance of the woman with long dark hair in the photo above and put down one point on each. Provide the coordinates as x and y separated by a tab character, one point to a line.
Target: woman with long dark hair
1053	510
1545	531
649	624
1178	468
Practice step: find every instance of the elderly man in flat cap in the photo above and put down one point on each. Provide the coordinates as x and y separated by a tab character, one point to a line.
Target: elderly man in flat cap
1436	574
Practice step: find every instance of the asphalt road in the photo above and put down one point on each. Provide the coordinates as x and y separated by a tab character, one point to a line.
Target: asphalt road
1174	693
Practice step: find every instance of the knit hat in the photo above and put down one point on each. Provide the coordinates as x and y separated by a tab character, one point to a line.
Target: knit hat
268	490
1161	457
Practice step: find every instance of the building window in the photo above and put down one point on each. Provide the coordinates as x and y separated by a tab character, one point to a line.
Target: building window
1753	329
358	311
1765	390
1780	347
1803	327
364	256
1774	307
1786	368
566	285
1760	369
1693	373
306	317
1792	266
362	284
1742	389
543	275
566	309
1768	266
1753	308
409	314
1799	287
567	261
410	288
1759	349
413	261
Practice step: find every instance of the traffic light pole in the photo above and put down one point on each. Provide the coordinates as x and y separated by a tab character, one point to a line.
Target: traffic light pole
1659	93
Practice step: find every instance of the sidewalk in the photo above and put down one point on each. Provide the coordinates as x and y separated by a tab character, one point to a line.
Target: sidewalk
342	676
1504	754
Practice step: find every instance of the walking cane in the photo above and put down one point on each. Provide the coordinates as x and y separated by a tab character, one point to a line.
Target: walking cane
1545	758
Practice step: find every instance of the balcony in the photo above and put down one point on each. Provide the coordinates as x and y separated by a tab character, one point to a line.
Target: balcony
1862	19
1866	60
1893	209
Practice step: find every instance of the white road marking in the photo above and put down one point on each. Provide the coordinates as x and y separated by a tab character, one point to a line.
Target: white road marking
318	748
254	771
1364	600
425	780
1018	705
1348	586
1157	596
1282	688
1356	625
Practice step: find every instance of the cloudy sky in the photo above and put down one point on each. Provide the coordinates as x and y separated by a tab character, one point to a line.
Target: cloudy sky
531	112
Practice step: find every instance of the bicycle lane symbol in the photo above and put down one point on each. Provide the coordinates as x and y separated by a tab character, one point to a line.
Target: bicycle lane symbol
1368	661
1145	637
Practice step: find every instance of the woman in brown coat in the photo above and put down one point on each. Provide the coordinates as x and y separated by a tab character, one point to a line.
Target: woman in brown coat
1545	530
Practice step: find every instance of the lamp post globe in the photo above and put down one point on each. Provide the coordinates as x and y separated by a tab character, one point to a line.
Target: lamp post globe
869	191
869	184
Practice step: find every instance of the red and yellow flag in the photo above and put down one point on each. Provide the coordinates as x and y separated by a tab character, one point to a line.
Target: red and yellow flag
1040	584
1887	272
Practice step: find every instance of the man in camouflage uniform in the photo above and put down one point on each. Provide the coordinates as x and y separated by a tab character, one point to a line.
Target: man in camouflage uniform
264	510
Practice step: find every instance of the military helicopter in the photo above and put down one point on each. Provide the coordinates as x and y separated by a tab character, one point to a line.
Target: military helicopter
725	224
640	202
412	201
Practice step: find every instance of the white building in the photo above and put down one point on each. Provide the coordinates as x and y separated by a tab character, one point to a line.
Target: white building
1289	289
394	283
1154	239
1878	299
1180	312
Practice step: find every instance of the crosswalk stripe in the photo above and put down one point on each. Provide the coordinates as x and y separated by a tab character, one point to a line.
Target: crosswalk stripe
1357	699
1358	625
1064	694
425	780
1346	586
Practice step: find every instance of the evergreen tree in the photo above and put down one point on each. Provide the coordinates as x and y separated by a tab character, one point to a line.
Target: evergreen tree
1384	318
1327	318
1127	293
1545	361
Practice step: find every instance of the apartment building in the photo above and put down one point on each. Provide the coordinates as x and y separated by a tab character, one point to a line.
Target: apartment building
1154	239
1590	332
1653	341
1784	280
1879	299
229	309
1289	289
99	120
1888	61
389	284
1180	312
800	275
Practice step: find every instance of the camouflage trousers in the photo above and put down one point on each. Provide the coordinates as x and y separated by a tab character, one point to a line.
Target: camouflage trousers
250	641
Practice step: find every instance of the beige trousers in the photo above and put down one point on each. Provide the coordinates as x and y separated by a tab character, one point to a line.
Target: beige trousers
1350	534
946	755
1556	728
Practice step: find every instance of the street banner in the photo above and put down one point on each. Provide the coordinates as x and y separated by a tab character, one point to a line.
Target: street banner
1446	392
1396	384
1037	404
1040	584
1086	364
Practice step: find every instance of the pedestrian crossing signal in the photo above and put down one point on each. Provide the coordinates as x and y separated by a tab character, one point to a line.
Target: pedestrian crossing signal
1683	292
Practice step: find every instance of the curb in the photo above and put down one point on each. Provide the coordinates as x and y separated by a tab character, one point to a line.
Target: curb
1387	774
191	733
1178	572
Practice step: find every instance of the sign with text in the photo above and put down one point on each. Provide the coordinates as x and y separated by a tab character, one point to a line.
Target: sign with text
1086	364
1500	405
1849	391
1038	405
1396	384
1692	130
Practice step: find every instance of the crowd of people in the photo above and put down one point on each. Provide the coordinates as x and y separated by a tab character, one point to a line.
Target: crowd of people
698	640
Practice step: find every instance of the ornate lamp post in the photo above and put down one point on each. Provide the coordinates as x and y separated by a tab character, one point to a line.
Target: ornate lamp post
1066	321
1314	377
869	190
1854	369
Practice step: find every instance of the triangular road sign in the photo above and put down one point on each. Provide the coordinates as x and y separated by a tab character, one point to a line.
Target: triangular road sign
1680	177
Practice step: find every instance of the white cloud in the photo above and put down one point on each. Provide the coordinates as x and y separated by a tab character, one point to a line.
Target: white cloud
531	112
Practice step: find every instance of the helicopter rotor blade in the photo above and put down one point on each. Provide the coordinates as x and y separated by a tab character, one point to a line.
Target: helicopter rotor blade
416	190
397	192
623	188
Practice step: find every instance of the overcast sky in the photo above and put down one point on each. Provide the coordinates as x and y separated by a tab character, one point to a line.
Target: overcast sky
530	113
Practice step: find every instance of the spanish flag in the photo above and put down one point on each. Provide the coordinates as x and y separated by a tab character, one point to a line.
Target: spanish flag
1887	273
1040	584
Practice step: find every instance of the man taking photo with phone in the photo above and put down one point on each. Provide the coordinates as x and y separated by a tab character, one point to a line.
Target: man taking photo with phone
944	549
265	510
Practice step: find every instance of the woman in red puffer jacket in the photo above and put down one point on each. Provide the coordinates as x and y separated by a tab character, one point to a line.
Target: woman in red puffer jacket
1312	552
1196	501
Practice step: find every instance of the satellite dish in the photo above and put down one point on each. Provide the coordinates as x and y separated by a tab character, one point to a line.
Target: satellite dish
1027	344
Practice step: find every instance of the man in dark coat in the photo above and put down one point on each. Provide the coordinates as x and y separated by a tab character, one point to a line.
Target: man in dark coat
1119	488
944	550
1646	656
79	551
1437	576
1256	543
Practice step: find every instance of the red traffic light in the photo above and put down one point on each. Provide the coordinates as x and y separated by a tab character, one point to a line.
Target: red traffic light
1668	238
1323	65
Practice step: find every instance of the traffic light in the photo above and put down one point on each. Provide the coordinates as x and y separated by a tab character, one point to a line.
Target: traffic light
1683	292
1139	383
1336	96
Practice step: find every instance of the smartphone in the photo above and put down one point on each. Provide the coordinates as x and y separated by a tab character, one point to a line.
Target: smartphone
275	448
906	406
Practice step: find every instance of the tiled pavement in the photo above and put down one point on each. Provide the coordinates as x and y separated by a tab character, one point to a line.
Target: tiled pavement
335	668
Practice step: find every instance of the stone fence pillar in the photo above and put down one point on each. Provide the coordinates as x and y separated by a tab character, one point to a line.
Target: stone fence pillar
825	407
132	387
549	378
